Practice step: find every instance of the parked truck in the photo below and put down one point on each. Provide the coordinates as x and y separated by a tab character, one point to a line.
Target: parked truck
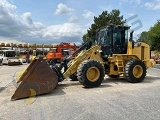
8	57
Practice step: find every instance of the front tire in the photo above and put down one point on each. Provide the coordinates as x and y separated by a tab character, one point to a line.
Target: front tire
90	73
135	71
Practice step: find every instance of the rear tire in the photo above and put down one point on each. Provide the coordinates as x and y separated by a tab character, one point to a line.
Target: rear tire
90	73
135	71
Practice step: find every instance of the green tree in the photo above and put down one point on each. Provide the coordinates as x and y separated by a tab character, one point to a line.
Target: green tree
144	37
102	20
154	36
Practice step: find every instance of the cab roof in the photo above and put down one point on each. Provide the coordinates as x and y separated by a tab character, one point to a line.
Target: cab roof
114	26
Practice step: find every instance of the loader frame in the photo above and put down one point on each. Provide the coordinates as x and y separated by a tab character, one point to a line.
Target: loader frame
94	59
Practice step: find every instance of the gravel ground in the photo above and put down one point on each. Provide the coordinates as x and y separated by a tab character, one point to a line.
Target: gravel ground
115	99
157	66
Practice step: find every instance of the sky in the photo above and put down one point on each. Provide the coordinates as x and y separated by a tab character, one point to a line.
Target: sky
55	21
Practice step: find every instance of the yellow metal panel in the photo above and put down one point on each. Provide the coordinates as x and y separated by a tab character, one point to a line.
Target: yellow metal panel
14	45
39	46
112	71
25	45
33	45
92	53
53	46
129	48
2	44
8	45
19	45
46	46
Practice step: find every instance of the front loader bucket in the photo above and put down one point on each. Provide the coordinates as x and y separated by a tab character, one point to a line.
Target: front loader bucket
27	70
38	79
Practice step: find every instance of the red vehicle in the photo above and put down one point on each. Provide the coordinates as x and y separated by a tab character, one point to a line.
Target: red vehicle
61	51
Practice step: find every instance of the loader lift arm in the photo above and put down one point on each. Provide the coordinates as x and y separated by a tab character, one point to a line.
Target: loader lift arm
64	63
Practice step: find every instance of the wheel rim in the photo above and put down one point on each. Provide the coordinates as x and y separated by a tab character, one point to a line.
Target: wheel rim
137	71
93	74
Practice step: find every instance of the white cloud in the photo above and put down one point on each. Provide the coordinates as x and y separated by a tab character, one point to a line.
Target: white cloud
10	41
73	19
149	5
63	9
27	18
8	7
155	5
108	8
138	2
88	14
65	30
22	28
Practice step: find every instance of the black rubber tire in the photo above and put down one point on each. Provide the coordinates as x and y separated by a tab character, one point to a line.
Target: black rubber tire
113	76
129	71
82	73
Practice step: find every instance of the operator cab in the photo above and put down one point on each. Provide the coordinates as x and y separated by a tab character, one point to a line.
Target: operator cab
113	40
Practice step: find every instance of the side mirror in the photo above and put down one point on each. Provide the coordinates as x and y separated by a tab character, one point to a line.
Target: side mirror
132	44
131	36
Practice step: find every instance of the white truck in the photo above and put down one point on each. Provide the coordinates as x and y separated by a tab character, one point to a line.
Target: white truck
8	57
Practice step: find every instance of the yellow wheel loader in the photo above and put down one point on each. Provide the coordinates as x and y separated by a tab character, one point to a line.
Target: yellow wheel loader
35	54
111	53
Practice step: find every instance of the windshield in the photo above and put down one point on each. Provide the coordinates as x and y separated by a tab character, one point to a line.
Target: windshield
120	36
126	35
10	53
104	37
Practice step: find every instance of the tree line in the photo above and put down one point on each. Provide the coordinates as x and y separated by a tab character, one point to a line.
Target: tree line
152	36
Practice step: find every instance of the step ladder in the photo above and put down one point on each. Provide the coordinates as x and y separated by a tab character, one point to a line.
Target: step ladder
120	65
